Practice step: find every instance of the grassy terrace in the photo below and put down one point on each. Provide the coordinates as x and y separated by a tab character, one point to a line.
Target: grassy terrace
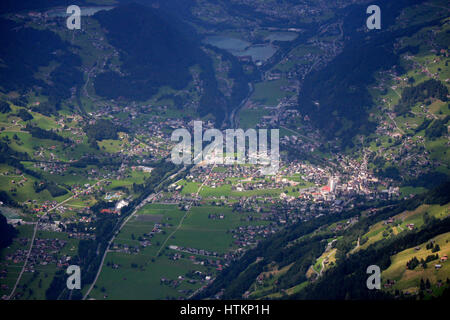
381	230
409	280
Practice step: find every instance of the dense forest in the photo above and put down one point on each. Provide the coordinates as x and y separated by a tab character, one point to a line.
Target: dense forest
4	107
24	115
54	190
7	200
153	51
101	130
7	232
23	50
39	133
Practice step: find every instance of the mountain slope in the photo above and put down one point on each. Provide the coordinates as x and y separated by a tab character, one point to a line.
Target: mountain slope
23	50
155	51
337	98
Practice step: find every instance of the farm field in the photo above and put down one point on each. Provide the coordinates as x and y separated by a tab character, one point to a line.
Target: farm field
131	267
143	281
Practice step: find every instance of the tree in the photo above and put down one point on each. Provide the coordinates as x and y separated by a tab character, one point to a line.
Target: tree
7	233
4	107
436	248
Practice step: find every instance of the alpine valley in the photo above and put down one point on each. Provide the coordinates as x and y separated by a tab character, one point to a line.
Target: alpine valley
86	118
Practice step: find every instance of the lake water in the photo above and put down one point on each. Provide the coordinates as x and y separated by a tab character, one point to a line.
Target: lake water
259	52
282	36
241	48
85	11
227	43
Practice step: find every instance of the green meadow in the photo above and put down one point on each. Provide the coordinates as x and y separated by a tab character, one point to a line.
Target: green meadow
139	274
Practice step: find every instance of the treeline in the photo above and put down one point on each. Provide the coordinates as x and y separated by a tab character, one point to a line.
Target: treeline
4	107
428	180
439	195
390	172
7	200
342	111
48	108
90	160
39	133
422	92
437	128
241	80
212	100
13	158
52	187
22	51
88	256
103	129
24	115
161	170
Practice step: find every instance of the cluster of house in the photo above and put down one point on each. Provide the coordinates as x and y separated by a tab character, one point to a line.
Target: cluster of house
201	252
56	168
81	235
19	181
44	252
249	235
193	278
144	241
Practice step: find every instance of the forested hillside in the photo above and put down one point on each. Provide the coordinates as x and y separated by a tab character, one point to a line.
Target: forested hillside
156	50
343	111
23	50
